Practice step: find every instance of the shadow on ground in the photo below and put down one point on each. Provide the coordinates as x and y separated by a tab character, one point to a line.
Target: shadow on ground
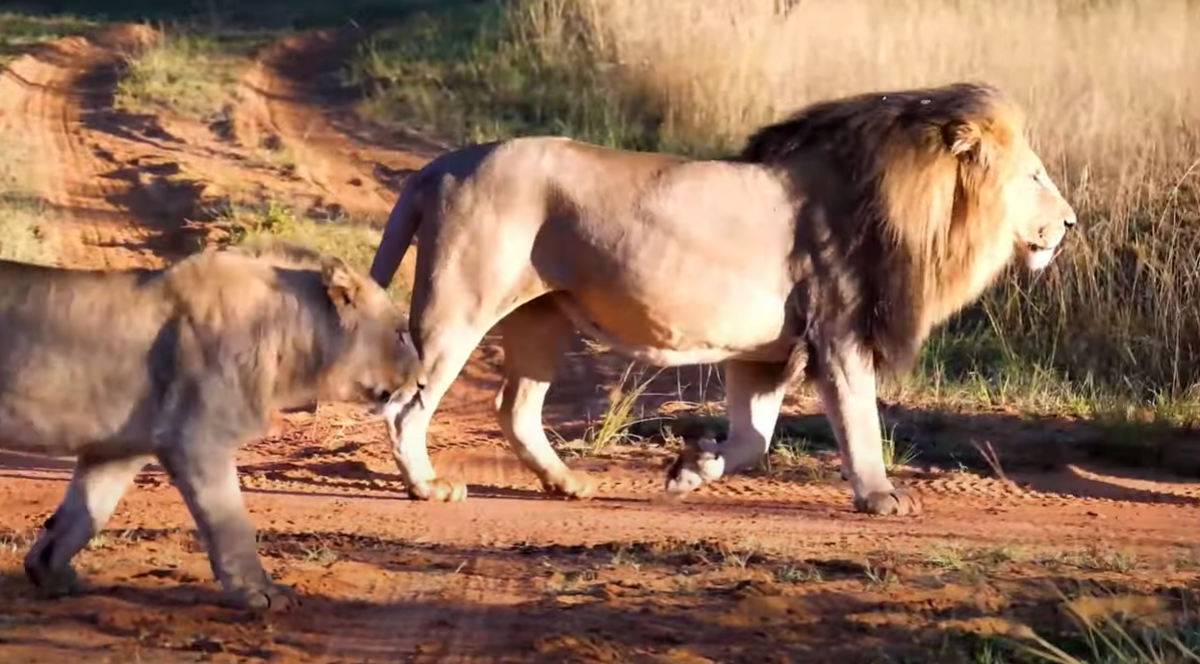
549	604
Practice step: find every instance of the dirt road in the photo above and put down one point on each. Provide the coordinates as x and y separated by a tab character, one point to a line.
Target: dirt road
767	568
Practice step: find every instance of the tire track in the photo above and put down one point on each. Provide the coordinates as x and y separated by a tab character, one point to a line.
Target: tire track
283	110
45	95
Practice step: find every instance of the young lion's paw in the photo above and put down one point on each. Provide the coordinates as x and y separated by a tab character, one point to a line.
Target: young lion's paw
51	584
271	598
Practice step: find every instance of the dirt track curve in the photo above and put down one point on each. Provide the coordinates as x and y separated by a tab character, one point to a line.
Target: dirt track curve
766	568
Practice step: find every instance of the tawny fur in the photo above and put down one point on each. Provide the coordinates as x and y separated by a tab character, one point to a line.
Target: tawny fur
831	246
183	365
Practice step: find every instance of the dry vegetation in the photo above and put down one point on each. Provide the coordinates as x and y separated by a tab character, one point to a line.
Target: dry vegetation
26	230
164	76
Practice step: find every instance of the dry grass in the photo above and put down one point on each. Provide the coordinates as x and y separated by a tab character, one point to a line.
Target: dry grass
27	231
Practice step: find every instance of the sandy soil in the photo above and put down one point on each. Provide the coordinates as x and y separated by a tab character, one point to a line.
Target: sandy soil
773	567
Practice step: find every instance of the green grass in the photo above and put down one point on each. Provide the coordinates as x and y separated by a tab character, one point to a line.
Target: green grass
221	14
188	72
352	241
471	74
20	32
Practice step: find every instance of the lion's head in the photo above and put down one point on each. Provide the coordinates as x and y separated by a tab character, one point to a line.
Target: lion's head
371	354
378	358
931	192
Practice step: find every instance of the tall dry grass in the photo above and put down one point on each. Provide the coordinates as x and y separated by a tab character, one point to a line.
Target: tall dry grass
1112	89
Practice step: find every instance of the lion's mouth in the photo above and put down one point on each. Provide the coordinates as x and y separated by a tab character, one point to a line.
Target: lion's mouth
1039	256
376	394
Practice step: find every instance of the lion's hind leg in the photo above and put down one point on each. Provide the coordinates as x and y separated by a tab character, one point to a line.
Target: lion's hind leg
95	489
205	472
535	337
754	394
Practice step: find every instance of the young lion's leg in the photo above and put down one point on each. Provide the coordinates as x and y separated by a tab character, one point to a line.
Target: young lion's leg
754	393
846	384
205	472
92	496
535	336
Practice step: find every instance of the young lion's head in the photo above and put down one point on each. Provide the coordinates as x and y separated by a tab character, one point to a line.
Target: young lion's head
366	353
377	357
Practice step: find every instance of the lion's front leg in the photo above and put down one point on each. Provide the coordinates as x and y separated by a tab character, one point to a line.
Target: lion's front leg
846	383
446	347
205	472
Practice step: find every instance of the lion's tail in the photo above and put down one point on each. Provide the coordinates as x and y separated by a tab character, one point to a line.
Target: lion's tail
401	226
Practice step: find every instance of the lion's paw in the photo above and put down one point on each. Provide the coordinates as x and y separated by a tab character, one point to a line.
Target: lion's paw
272	598
52	583
438	490
889	503
572	484
692	468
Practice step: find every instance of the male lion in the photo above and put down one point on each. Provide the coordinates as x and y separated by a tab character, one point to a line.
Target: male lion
831	247
183	365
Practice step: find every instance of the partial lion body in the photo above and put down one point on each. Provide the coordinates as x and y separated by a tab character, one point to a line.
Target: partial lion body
621	282
831	247
182	365
92	361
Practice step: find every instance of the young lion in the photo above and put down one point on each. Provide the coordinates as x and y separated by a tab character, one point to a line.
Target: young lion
183	365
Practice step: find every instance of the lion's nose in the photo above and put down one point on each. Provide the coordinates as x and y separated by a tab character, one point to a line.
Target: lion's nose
1069	221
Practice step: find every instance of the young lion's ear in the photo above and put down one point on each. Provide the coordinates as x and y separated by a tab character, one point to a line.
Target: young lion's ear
964	139
340	282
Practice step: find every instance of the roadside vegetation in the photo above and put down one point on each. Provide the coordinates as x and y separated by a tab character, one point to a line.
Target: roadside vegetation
22	32
188	72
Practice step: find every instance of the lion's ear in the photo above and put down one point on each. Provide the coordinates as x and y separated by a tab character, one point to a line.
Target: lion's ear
964	139
340	283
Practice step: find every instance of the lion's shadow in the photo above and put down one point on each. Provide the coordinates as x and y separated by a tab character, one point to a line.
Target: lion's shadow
174	615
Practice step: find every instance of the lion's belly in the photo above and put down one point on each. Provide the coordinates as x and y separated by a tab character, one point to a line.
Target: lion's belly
673	332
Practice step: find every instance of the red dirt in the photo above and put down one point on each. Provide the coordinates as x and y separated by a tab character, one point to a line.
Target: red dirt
767	568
